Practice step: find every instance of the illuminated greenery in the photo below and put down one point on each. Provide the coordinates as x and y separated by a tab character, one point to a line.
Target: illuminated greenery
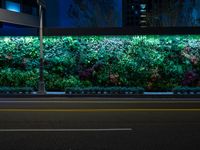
153	62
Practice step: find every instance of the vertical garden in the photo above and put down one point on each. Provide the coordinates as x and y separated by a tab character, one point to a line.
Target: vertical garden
154	62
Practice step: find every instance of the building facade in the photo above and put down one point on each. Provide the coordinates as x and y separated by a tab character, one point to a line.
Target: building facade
18	17
111	13
170	13
84	13
24	6
135	13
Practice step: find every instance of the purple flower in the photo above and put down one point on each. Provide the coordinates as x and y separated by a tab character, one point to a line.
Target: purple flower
86	74
191	78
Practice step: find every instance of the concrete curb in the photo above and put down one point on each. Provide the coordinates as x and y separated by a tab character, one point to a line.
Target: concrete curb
97	96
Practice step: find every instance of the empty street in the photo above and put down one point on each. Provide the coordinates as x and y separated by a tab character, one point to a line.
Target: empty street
99	123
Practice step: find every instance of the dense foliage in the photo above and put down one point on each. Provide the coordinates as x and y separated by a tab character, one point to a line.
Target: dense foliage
153	62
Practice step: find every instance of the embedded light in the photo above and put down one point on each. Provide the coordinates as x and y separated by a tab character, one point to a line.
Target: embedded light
143	16
143	10
143	21
12	6
143	6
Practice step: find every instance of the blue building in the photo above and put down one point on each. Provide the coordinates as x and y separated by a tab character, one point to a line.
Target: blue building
109	13
10	9
71	13
85	13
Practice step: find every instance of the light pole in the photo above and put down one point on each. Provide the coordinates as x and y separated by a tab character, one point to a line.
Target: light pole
41	89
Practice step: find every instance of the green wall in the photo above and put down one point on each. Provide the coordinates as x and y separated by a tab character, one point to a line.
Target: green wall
154	62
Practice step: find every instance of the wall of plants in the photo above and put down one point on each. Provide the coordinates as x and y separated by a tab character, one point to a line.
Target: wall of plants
157	63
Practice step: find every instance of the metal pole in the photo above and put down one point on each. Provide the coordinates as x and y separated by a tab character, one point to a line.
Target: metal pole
41	78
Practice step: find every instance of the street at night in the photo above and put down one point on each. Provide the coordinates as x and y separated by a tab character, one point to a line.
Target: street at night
99	124
99	74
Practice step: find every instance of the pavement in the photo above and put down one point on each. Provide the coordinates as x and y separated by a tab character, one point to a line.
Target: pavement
61	123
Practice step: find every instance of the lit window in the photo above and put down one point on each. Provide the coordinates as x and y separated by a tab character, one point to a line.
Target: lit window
12	6
143	6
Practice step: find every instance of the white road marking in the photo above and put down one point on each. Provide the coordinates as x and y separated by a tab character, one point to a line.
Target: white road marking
66	101
66	130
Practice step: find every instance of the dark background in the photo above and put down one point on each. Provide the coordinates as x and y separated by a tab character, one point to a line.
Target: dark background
61	14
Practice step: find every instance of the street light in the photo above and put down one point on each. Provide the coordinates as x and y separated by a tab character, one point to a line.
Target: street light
41	89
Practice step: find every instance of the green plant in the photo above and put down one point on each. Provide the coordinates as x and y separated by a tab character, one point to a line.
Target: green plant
153	62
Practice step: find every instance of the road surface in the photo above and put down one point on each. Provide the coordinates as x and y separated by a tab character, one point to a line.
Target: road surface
99	124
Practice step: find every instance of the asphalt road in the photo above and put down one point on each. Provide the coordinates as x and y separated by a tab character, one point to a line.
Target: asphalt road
99	124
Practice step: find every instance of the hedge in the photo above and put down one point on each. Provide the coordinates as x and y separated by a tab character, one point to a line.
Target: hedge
156	63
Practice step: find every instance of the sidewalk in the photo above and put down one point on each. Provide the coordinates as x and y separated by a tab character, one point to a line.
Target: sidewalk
145	93
152	95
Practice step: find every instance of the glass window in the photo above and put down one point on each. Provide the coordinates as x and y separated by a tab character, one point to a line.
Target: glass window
12	6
